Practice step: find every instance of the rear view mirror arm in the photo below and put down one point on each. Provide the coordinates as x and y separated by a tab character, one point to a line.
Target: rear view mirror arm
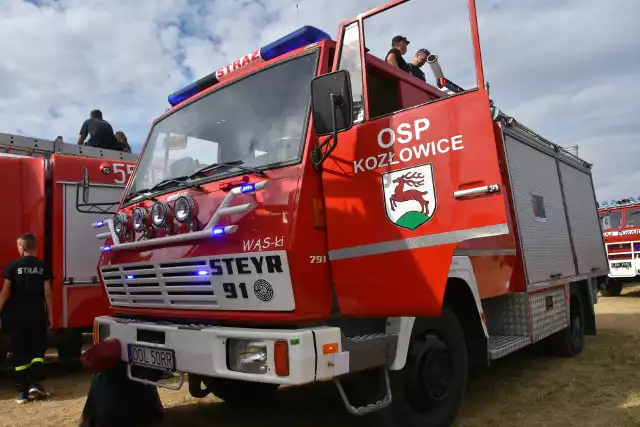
337	102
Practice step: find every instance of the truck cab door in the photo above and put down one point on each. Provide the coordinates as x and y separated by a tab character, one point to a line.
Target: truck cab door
415	174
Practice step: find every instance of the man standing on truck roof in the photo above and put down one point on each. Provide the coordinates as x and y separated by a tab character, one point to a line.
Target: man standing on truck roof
398	48
26	297
417	63
100	132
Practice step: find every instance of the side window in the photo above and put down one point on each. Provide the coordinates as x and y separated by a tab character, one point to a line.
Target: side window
350	60
611	220
632	218
405	57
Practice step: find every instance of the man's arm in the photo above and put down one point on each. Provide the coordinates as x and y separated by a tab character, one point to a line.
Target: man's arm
391	59
4	293
84	131
48	296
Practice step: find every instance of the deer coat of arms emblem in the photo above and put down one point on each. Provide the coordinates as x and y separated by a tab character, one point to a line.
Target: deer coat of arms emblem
409	196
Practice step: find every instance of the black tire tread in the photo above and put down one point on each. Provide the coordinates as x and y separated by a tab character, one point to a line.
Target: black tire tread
399	413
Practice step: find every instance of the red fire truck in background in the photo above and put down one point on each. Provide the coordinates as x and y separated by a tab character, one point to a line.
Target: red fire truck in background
40	191
377	230
621	230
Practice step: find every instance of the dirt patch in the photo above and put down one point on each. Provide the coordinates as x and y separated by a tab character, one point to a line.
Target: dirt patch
601	387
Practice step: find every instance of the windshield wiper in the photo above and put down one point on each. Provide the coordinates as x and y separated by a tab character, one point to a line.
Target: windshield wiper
162	184
235	164
135	194
165	182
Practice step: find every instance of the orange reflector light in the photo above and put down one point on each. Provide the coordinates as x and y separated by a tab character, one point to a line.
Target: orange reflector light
317	212
330	348
96	338
281	350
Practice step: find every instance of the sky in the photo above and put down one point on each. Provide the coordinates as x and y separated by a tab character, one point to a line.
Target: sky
568	69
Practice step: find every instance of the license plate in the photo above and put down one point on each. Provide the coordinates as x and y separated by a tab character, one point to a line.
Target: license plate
621	265
152	357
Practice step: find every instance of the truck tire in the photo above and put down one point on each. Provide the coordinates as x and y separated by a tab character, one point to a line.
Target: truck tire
69	345
429	390
116	401
241	393
569	342
611	288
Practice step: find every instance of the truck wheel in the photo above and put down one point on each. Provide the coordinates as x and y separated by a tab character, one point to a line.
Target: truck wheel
69	345
611	288
569	342
241	393
428	391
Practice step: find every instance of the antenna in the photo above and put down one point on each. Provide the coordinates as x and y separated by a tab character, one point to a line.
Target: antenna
297	16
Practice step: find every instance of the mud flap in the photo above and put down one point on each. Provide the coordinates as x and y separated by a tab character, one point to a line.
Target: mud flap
116	401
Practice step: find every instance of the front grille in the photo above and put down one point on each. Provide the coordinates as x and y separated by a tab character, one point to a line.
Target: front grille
167	284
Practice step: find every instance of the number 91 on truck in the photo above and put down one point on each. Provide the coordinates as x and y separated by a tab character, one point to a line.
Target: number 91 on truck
419	230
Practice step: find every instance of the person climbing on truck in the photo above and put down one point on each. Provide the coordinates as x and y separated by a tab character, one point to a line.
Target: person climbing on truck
99	131
26	296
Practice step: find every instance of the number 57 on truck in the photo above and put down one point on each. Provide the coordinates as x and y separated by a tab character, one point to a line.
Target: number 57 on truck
311	212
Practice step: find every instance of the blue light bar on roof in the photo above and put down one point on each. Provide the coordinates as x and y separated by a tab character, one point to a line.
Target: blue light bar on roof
292	41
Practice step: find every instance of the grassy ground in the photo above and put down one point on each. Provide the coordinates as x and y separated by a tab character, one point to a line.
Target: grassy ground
601	387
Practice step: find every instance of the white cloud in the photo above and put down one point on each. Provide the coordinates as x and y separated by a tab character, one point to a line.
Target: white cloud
567	68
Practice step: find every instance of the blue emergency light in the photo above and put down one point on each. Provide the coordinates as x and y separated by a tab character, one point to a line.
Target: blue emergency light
292	41
218	231
248	188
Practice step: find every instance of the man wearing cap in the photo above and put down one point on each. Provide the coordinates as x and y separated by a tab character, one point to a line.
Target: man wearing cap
418	62
398	48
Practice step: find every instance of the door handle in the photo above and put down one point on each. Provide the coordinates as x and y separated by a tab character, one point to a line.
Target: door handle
487	189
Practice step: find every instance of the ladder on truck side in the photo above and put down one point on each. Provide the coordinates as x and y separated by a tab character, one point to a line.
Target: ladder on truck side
23	146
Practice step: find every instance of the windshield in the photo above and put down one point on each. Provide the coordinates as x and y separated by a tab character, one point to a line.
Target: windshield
632	218
611	220
259	120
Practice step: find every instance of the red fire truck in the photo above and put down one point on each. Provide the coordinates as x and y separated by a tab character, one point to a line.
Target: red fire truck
621	227
40	193
349	232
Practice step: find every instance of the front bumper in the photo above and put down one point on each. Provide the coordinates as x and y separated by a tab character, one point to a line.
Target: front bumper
313	353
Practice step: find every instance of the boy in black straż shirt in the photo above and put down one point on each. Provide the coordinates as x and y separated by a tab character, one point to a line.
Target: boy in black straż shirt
26	298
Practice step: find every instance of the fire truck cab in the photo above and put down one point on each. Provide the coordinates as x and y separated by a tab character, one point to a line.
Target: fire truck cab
41	196
311	212
621	230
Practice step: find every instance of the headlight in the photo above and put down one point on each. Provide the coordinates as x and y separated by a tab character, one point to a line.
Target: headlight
249	356
159	213
139	216
184	208
120	222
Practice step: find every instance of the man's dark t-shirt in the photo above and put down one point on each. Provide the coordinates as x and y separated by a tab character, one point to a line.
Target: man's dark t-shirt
402	64
417	72
27	276
101	132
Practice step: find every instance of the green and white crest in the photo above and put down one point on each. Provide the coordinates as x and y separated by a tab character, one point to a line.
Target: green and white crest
409	196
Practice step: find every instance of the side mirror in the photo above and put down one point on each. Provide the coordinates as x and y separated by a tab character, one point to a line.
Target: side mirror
331	103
